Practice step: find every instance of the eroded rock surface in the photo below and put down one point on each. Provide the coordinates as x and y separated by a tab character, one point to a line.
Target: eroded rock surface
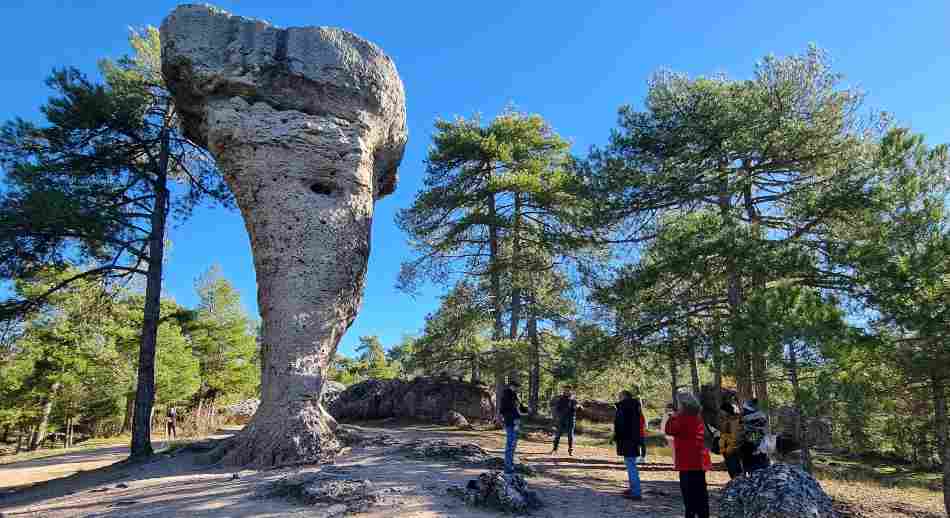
779	491
509	494
422	398
308	126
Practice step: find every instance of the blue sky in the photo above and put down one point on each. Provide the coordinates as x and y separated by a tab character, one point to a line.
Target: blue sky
574	63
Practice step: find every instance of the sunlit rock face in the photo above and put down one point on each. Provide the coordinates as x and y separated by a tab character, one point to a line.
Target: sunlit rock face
308	126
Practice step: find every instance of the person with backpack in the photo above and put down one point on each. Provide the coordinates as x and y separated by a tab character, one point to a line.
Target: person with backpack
731	425
687	429
511	410
755	431
629	439
565	416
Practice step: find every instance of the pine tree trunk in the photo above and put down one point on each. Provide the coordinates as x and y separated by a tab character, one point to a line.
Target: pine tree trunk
534	383
734	295
145	388
498	331
942	426
514	268
717	378
801	423
761	376
758	354
6	434
129	409
37	440
693	367
674	378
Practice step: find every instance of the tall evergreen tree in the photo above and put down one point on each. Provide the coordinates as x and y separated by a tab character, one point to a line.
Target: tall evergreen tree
779	157
96	184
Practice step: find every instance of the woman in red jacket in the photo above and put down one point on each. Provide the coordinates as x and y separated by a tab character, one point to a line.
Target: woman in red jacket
686	428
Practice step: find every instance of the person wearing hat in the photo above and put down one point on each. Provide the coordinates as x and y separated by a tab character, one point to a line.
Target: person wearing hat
511	410
564	409
755	429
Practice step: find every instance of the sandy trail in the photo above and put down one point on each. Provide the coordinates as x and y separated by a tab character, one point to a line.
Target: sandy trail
587	484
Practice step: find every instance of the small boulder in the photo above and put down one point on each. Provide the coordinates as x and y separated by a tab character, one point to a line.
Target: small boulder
596	411
506	493
332	494
457	420
779	491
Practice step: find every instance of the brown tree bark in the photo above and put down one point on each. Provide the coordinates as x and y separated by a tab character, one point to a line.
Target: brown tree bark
534	383
674	378
145	388
939	387
693	367
37	440
129	410
801	423
494	274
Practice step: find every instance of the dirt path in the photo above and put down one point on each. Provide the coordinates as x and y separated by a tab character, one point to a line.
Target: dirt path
28	472
587	484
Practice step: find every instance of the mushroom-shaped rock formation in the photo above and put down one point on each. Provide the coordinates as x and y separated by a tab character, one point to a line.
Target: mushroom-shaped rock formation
308	126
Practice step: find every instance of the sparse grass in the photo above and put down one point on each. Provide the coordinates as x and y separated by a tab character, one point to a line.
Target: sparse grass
883	472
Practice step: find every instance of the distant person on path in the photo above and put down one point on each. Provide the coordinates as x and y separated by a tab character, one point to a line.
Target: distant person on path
511	410
688	431
628	436
172	418
565	416
729	439
755	429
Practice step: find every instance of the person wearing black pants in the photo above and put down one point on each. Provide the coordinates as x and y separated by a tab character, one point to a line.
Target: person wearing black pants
688	431
695	493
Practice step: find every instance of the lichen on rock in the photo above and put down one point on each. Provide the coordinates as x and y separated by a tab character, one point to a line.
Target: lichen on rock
779	491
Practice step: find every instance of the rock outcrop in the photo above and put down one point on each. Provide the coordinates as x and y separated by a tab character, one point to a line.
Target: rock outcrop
596	411
818	433
422	398
508	494
779	491
308	126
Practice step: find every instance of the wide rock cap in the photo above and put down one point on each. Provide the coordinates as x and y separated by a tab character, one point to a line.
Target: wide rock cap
208	53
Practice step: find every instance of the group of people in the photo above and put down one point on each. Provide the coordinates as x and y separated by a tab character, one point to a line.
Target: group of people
742	440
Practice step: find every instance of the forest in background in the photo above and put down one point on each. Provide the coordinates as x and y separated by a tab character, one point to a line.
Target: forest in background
771	234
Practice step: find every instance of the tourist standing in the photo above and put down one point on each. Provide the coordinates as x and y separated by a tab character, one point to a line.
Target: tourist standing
687	429
628	437
171	420
729	439
755	430
511	410
565	416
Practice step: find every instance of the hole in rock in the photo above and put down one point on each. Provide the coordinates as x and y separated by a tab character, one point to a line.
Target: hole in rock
321	188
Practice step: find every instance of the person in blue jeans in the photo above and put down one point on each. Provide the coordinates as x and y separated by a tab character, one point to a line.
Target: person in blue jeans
511	410
628	437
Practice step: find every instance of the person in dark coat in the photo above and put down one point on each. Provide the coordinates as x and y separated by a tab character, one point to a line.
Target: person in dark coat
171	416
629	439
564	409
511	410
